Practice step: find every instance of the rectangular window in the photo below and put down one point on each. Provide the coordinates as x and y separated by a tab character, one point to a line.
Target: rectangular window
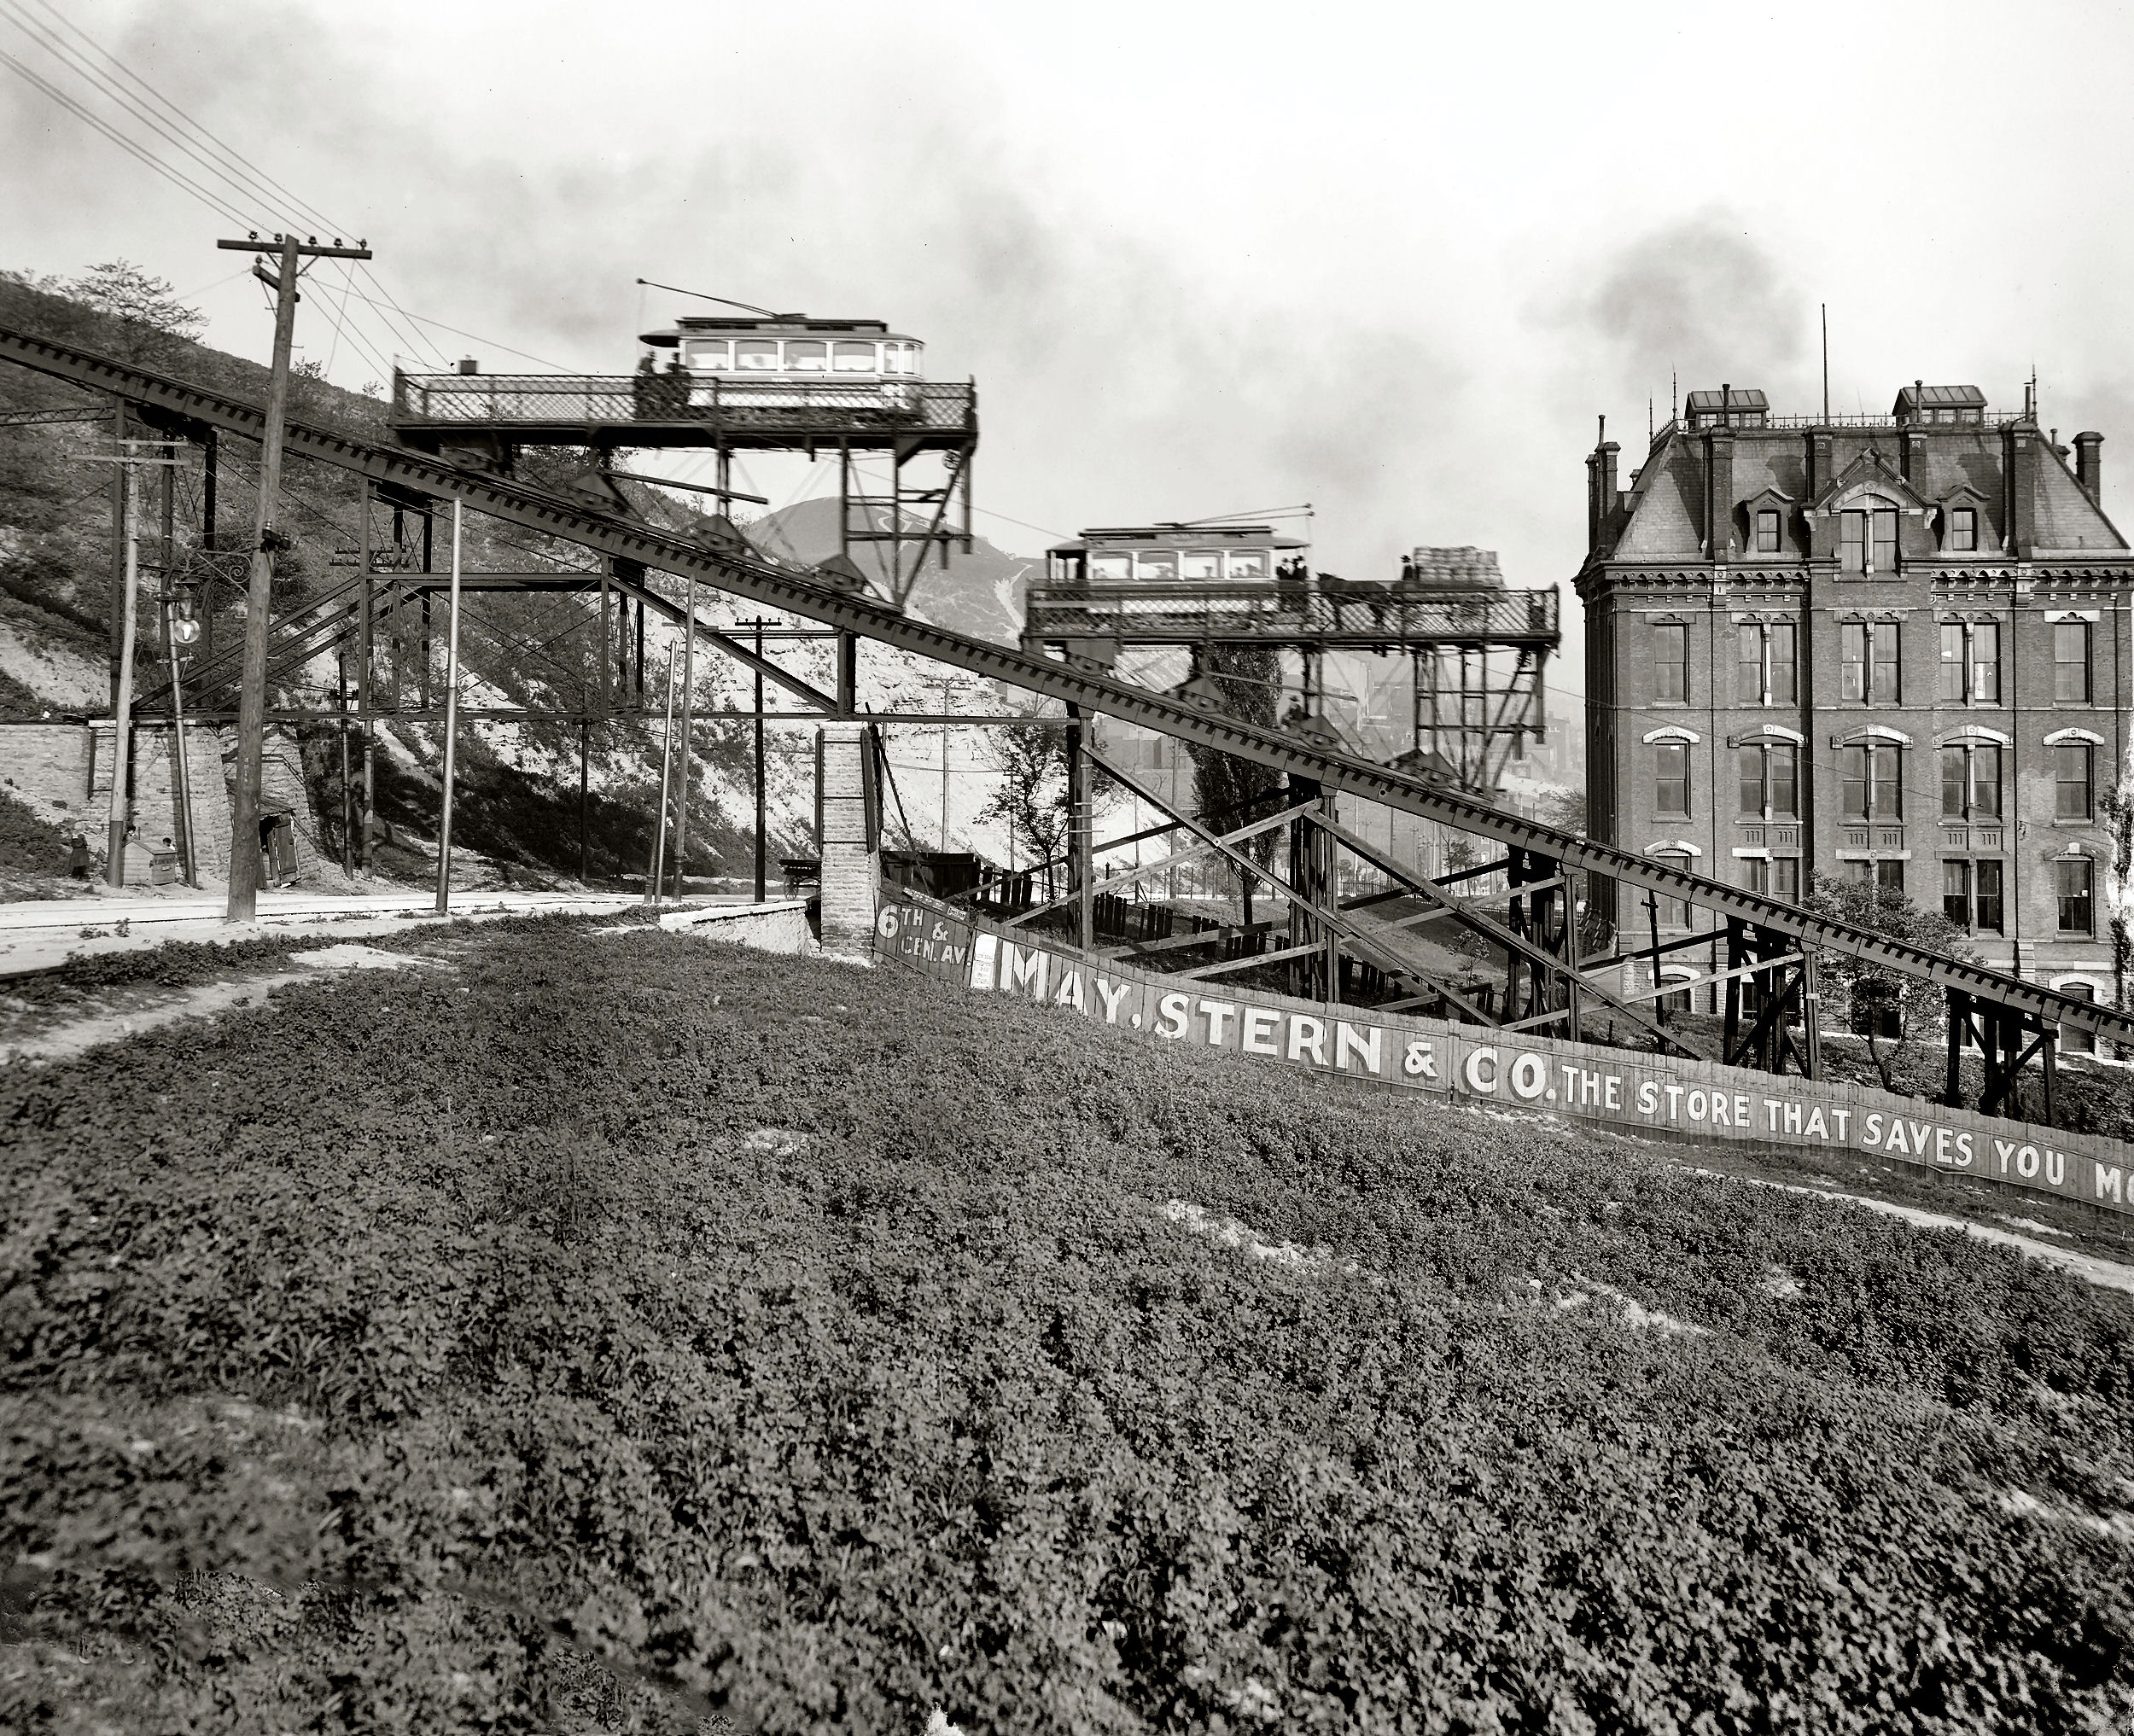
1986	782
1160	563
1954	659
1971	783
1955	892
1785	798
1986	663
1247	563
1785	879
1884	774
1852	542
1754	792
1670	790
2073	1040
1858	873
710	354
1955	783
2071	882
2070	781
1884	556
1671	652
856	358
1963	530
1204	565
756	352
1671	912
1749	687
1767	533
1852	782
806	355
1852	661
1785	667
1989	909
2071	660
1889	877
1884	689
1756	874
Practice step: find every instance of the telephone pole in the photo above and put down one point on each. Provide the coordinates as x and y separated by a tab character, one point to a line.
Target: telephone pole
120	822
759	623
244	818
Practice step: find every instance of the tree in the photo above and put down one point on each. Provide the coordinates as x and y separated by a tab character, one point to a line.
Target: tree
2116	807
1224	785
124	291
1883	1005
1031	800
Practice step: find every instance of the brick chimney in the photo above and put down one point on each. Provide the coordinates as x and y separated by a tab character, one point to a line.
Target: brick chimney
1592	501
2087	462
1718	526
2019	457
1915	457
1609	495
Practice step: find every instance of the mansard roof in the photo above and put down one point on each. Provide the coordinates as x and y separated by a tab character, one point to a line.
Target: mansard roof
1662	517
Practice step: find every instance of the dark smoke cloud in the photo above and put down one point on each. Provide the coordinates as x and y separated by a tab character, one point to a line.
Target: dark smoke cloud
1701	298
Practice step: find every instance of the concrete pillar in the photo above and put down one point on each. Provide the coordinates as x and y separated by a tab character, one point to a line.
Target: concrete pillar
850	855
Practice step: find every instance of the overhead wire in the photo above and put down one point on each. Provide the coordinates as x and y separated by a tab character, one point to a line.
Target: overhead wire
249	174
130	146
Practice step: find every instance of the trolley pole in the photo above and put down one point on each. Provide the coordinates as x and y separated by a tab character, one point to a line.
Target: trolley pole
244	818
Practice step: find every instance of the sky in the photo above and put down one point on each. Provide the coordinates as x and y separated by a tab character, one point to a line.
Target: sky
1389	261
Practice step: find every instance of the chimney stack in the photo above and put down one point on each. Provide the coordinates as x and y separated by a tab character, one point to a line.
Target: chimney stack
2088	472
467	364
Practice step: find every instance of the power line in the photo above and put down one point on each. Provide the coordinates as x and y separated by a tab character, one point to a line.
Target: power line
210	200
258	177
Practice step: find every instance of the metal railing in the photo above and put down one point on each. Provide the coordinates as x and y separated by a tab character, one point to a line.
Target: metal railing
1280	609
825	404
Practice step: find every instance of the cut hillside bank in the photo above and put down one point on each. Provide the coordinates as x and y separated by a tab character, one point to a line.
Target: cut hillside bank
626	1322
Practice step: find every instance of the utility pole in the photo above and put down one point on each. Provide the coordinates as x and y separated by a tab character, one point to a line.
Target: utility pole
452	728
761	845
121	821
244	820
689	695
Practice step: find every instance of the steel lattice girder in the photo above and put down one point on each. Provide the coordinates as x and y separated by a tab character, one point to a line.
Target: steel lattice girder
791	589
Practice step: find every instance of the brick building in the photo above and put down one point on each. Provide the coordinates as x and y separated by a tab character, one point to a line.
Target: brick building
1890	647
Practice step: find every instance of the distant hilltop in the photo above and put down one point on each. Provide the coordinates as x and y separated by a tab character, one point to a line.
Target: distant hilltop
1458	567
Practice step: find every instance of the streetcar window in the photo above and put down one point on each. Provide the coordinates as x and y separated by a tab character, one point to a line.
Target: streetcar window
701	353
1248	563
855	358
1204	564
756	352
1111	566
892	359
808	358
1156	563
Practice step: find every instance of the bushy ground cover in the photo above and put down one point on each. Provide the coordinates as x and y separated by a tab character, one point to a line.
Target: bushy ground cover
626	1330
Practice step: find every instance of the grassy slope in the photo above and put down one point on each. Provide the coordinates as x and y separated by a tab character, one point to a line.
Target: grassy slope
942	1407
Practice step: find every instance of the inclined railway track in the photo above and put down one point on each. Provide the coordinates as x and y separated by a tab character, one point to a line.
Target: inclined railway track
793	590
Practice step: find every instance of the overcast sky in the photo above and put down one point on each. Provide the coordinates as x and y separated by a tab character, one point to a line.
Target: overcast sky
1390	260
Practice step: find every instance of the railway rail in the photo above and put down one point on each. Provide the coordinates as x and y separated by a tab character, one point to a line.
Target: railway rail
795	591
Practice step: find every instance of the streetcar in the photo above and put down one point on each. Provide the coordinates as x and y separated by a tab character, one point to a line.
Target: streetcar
1179	561
784	362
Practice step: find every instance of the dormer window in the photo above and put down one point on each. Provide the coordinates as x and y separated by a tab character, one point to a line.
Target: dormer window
1767	532
1963	530
1867	539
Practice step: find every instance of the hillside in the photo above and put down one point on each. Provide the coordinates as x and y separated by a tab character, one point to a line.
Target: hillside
642	1346
56	600
979	593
